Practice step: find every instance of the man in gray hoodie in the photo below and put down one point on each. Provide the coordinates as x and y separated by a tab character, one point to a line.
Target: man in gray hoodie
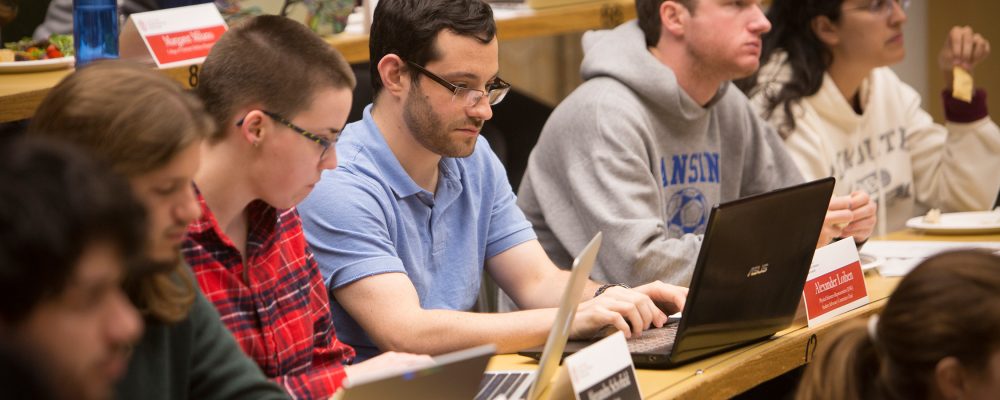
655	136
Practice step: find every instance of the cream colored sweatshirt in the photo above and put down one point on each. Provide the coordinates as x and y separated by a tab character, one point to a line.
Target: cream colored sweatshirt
893	149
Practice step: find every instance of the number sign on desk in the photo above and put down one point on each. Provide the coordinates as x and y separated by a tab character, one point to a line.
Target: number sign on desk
172	37
835	284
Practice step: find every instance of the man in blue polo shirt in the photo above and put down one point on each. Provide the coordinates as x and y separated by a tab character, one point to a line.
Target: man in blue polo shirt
419	206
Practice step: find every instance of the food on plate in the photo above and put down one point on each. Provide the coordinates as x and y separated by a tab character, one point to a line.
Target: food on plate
933	216
56	46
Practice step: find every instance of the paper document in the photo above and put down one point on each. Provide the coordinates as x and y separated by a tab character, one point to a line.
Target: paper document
902	256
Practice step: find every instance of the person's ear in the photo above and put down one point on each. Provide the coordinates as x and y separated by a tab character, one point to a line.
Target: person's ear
948	378
253	128
673	17
392	69
825	30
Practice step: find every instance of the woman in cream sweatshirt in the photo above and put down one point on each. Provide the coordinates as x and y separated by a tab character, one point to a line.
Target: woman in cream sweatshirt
825	86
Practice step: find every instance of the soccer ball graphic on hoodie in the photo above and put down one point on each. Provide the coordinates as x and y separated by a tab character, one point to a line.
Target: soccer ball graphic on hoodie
687	212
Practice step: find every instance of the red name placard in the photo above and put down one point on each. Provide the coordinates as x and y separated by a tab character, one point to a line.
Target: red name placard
834	290
172	37
178	46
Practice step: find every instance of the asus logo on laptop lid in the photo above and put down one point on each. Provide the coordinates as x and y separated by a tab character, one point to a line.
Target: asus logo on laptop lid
757	270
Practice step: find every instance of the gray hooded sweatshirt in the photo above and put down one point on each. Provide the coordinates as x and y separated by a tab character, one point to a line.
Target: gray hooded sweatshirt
629	153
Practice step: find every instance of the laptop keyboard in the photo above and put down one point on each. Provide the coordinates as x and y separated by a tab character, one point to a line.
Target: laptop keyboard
507	383
504	383
654	340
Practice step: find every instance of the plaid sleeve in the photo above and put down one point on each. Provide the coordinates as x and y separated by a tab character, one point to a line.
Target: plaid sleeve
326	374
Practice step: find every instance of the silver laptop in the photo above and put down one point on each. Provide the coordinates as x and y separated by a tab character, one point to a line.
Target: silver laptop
516	385
453	376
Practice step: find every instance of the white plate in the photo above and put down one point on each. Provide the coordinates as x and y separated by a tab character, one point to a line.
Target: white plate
869	261
11	67
959	223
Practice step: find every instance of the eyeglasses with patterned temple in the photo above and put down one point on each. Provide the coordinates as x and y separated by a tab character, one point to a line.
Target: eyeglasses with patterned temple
324	143
881	7
495	90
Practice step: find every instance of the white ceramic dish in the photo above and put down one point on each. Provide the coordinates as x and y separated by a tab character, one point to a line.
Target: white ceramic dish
960	223
36	65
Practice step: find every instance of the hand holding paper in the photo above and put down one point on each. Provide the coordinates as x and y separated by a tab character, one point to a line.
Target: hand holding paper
962	50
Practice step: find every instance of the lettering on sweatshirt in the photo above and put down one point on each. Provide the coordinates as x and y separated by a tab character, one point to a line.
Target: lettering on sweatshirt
686	169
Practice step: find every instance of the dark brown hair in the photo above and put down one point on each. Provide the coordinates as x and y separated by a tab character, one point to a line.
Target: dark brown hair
648	15
408	29
135	120
270	60
949	306
808	57
56	202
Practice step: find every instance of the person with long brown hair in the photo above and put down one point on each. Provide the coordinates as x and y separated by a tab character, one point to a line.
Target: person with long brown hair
146	128
938	338
825	85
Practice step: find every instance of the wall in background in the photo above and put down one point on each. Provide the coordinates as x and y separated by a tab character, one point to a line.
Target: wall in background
913	69
548	68
982	16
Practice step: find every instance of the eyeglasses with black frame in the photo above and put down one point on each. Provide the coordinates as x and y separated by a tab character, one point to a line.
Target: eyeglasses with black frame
495	90
324	143
883	7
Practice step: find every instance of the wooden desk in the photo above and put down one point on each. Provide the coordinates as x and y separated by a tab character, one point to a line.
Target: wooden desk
519	24
20	94
737	371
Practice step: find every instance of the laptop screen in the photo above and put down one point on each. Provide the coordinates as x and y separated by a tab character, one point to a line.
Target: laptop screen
559	334
753	262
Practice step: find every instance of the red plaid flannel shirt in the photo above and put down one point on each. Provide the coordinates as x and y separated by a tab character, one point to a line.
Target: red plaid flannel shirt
276	303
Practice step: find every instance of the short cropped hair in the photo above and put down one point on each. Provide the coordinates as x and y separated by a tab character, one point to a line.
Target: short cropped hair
55	203
270	60
648	14
408	29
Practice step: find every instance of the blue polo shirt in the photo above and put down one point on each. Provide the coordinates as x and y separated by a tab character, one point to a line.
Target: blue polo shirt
368	217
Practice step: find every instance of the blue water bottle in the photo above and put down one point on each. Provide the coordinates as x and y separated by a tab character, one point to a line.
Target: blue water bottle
95	30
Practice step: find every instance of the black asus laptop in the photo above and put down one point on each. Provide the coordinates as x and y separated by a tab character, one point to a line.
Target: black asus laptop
748	278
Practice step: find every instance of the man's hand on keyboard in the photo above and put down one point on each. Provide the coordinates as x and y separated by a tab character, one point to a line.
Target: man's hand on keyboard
669	298
628	310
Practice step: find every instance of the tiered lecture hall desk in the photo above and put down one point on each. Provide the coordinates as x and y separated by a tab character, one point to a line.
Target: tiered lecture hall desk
736	371
721	376
21	93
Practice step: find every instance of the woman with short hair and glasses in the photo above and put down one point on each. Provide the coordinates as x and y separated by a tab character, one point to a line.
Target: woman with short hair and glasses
826	87
280	96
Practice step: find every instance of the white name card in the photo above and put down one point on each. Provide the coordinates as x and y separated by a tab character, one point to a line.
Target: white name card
172	37
835	283
603	371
